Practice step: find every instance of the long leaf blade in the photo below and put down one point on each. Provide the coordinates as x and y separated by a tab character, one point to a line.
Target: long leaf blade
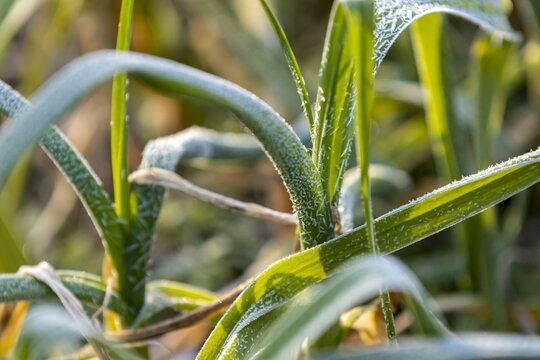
400	228
361	18
392	17
77	171
87	288
461	347
333	130
293	64
278	140
353	285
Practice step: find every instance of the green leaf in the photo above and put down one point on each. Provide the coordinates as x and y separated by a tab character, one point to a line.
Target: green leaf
332	133
293	64
492	60
392	17
77	171
440	117
278	140
461	347
162	296
402	227
333	130
119	153
316	308
361	18
86	287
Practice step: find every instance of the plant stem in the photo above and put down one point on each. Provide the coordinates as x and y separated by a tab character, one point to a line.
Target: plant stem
119	119
362	22
119	153
491	72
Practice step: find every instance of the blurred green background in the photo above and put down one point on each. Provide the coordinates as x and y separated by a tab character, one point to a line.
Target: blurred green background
41	218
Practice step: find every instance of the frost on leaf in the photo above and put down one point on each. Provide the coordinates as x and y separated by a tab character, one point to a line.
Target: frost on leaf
394	16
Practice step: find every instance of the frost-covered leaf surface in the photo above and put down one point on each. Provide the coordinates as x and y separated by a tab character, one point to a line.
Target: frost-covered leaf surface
247	318
461	347
277	138
76	170
315	309
88	288
332	131
334	125
394	16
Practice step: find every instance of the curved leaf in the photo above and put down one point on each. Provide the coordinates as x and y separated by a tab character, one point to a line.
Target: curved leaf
291	61
87	288
277	138
402	227
332	132
354	285
392	17
334	126
77	171
164	296
462	347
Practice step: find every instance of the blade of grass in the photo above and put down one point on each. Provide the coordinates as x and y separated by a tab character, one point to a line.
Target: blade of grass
392	17
402	227
361	18
87	288
316	308
293	64
119	155
278	140
78	172
120	171
430	59
492	61
333	130
461	347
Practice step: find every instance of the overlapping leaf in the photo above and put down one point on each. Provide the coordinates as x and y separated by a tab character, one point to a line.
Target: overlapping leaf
315	309
278	140
332	133
237	331
461	347
87	288
77	171
334	126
